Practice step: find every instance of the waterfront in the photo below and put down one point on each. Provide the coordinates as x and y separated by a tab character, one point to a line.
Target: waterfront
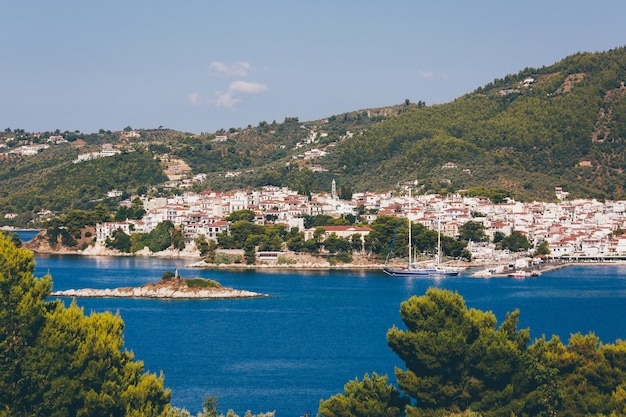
319	329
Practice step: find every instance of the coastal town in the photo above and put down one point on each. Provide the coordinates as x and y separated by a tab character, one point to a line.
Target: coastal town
574	228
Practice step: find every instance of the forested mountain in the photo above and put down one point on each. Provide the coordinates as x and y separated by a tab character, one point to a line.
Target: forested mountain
560	125
563	125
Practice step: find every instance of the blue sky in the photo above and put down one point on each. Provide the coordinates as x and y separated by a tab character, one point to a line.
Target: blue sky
199	66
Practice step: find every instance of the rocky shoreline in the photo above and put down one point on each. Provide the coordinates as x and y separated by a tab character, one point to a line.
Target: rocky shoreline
171	289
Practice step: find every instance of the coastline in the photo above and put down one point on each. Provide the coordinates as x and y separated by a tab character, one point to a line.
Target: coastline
302	262
173	289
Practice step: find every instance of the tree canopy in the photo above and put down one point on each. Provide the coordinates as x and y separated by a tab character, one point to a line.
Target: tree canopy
457	359
56	361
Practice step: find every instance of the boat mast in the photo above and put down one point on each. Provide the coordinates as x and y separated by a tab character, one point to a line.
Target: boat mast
438	261
410	239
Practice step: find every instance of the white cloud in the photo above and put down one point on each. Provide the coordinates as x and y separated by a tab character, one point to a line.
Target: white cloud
236	91
233	96
427	75
236	70
195	99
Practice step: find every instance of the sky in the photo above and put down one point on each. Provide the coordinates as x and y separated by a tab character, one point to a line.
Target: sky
202	65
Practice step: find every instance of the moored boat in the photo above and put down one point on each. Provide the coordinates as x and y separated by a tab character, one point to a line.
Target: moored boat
411	270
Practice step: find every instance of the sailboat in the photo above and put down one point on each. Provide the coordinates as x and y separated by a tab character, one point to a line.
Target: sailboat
411	270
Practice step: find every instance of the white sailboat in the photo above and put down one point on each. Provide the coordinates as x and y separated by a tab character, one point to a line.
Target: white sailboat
411	270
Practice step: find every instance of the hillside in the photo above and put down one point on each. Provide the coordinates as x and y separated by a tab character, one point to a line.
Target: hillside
561	125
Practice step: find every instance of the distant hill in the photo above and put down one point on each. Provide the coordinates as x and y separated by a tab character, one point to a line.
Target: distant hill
563	125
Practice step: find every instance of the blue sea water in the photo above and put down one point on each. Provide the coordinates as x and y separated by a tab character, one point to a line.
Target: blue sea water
318	330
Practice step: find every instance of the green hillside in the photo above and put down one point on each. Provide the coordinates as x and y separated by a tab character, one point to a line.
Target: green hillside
562	125
53	182
566	128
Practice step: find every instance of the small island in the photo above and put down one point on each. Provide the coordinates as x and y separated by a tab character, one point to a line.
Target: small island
171	286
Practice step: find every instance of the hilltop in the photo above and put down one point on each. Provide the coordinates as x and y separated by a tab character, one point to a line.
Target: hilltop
561	125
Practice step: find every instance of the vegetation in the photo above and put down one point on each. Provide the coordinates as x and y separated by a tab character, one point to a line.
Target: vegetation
56	361
520	136
372	397
515	242
202	283
66	186
458	361
524	138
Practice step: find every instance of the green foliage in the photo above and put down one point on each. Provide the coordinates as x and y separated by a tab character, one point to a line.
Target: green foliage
245	214
160	238
13	237
323	220
178	239
167	275
507	139
119	241
515	242
343	257
22	314
238	234
474	231
386	230
67	186
296	242
58	362
134	212
542	249
458	362
498	236
456	358
284	260
371	397
345	192
222	258
207	248
202	283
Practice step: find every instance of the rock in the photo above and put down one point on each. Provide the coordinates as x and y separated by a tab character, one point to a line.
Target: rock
171	289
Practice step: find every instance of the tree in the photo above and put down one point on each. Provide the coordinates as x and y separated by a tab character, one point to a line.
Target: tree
120	241
372	397
498	236
345	192
206	247
474	231
515	242
178	239
56	361
22	314
14	237
295	242
160	238
334	244
238	234
543	249
245	214
456	358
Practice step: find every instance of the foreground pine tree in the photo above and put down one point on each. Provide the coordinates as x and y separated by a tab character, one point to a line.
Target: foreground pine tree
55	361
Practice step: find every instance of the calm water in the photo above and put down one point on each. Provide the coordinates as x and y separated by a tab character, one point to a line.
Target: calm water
319	329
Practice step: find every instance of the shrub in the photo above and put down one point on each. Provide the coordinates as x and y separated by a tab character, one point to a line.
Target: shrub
343	257
167	275
285	260
202	283
224	258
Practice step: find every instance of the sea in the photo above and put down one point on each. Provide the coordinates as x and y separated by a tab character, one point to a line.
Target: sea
317	330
